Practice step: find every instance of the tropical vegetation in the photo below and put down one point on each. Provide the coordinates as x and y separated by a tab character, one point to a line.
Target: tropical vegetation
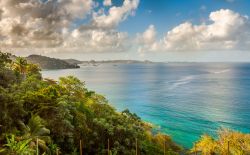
227	143
43	116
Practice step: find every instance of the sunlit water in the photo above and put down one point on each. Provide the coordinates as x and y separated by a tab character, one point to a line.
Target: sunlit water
184	100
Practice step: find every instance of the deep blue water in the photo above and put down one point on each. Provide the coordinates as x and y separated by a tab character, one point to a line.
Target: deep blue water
183	100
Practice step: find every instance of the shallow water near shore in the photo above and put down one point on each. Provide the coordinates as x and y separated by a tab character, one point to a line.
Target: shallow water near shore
183	100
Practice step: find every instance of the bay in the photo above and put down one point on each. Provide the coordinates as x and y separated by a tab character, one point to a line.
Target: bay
184	100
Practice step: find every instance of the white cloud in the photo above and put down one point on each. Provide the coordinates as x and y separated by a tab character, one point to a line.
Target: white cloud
96	41
115	14
101	34
107	2
227	30
147	37
75	8
34	24
147	40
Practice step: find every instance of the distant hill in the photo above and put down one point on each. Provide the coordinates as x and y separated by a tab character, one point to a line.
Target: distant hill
53	63
50	63
73	61
116	61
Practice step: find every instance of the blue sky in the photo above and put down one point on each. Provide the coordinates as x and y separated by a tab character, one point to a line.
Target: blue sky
165	14
162	30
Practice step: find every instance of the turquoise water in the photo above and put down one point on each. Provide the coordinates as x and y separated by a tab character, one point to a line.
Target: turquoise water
183	100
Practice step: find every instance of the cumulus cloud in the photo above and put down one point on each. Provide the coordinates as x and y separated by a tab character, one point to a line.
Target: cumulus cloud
148	37
107	2
33	23
147	40
115	14
97	41
100	34
227	30
51	24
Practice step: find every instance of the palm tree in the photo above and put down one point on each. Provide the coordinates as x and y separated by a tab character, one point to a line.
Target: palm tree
17	147
37	132
20	65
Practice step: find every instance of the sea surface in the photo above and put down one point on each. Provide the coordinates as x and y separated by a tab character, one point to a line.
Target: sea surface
184	100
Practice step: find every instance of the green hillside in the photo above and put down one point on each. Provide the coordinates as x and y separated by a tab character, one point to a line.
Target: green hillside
50	63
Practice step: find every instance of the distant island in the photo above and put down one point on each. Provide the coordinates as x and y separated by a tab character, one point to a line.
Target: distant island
118	61
45	62
50	63
73	61
94	62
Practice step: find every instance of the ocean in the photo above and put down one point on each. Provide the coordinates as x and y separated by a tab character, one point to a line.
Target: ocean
184	100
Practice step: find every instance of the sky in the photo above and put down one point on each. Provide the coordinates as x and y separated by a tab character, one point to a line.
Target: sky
156	30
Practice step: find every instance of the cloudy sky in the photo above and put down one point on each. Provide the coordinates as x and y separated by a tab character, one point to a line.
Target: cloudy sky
162	30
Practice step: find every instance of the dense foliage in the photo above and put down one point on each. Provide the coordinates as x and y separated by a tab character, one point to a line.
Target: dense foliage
227	143
48	117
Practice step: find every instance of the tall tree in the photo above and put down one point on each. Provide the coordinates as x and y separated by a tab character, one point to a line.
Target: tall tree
20	66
